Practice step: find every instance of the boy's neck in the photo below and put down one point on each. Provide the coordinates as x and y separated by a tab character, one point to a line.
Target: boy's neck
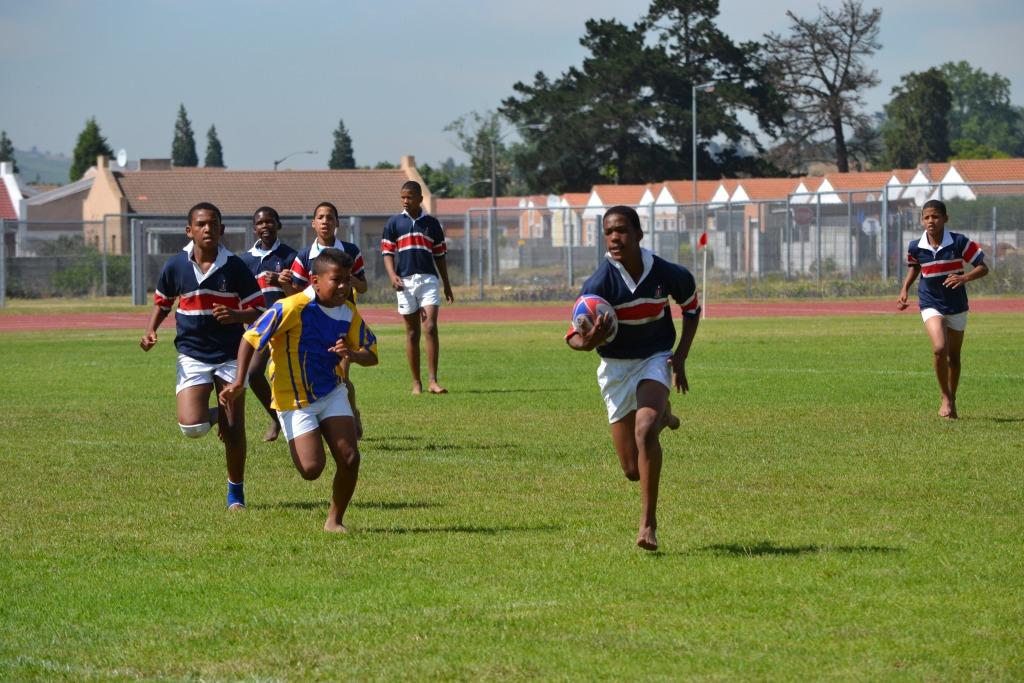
322	243
203	255
417	214
267	246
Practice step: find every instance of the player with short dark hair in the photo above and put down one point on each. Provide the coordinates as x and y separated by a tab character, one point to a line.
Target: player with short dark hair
267	259
939	257
414	251
309	334
216	295
638	365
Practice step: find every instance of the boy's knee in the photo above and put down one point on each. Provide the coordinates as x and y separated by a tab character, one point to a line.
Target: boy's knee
646	429
954	360
940	353
430	328
195	431
312	472
349	459
413	334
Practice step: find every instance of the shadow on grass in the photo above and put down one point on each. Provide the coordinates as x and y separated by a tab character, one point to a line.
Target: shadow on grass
998	420
364	504
769	548
508	391
458	529
389	447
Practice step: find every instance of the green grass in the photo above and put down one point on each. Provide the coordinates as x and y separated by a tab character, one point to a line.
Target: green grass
817	520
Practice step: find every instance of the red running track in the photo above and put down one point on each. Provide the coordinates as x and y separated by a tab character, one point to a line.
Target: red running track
461	313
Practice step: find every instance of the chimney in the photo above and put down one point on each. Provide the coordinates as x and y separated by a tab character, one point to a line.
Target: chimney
406	162
102	163
6	168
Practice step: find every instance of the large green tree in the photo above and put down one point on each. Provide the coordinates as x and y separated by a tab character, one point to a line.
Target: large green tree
7	150
90	145
183	148
341	155
981	113
917	120
482	138
214	151
624	115
820	69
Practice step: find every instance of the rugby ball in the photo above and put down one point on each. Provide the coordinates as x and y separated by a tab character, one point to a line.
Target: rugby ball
586	310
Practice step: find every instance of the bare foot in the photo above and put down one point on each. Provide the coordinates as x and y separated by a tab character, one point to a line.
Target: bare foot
436	388
334	527
947	409
647	539
417	388
273	431
668	419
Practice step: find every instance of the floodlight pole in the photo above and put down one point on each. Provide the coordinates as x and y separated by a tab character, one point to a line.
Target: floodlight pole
286	156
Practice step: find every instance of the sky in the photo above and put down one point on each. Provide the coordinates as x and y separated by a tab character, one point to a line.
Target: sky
276	77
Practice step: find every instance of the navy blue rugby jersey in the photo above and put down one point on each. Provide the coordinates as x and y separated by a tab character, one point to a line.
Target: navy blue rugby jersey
414	243
302	266
937	264
262	261
228	282
645	319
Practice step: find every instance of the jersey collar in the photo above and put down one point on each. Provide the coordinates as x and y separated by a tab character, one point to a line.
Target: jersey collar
315	250
648	260
423	214
222	258
260	252
947	240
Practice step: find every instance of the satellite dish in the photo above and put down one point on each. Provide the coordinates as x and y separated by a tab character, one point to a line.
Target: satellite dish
920	197
122	157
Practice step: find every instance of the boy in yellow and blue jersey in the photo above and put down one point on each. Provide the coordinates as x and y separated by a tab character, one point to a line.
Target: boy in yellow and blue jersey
309	335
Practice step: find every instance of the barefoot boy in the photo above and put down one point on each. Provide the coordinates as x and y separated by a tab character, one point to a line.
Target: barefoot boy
218	295
414	257
635	369
939	257
309	335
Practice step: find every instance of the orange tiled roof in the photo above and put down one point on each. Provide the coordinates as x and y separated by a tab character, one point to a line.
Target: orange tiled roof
934	171
7	210
870	180
904	175
990	170
458	206
360	191
768	188
682	190
612	195
576	198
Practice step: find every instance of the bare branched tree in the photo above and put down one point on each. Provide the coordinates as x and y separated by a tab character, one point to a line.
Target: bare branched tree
820	70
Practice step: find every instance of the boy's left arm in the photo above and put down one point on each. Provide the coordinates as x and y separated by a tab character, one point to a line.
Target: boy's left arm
689	305
442	270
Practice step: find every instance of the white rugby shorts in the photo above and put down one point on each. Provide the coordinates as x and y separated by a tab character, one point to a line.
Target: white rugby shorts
418	290
620	377
956	321
193	373
298	422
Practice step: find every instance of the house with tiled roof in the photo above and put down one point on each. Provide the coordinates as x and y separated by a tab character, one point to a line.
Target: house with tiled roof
365	197
10	192
840	188
567	223
966	178
924	180
603	197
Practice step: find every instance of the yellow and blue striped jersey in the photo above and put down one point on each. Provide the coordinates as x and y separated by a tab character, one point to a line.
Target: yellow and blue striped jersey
300	331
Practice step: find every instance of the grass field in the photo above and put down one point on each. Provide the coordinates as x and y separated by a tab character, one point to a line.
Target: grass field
817	520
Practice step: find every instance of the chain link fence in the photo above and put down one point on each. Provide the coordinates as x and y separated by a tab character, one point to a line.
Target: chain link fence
832	244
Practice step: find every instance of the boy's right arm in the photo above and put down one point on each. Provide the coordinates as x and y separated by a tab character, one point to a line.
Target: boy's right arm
389	267
149	339
592	338
912	273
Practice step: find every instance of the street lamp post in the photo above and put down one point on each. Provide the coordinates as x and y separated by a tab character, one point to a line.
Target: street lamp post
703	87
287	156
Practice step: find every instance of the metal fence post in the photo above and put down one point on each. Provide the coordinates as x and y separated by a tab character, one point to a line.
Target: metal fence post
138	266
490	246
567	230
817	242
788	238
480	261
885	235
730	239
3	263
995	243
467	261
849	235
103	257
